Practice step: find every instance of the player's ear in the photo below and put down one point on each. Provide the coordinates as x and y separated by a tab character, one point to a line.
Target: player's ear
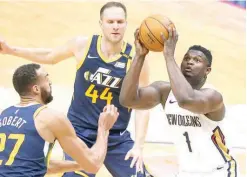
36	89
100	22
208	70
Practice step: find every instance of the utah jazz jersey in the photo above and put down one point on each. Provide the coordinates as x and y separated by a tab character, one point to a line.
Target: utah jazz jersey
21	147
199	141
98	82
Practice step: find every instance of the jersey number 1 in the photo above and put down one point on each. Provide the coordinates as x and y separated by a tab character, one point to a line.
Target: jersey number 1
19	140
187	140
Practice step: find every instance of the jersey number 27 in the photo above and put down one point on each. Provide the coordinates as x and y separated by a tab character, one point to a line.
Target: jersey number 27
19	140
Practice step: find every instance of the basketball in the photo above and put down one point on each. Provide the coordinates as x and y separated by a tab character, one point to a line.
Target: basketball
151	29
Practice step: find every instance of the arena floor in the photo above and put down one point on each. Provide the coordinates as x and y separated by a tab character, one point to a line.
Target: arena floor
218	26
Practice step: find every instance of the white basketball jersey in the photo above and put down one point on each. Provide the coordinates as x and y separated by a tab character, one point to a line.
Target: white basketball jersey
199	141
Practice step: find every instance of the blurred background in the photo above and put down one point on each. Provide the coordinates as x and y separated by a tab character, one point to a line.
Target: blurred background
216	24
240	4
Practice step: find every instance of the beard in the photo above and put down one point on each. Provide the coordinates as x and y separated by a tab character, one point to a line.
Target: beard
46	96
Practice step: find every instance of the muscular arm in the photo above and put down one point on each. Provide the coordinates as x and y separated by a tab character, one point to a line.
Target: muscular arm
50	56
142	116
145	97
202	101
90	160
62	166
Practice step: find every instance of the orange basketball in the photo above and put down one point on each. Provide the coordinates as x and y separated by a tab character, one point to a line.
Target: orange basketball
150	30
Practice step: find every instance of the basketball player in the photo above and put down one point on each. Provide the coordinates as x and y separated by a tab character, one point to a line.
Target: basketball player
27	126
193	111
102	62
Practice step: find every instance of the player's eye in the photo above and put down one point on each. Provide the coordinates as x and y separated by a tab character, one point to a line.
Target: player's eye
186	58
197	60
120	22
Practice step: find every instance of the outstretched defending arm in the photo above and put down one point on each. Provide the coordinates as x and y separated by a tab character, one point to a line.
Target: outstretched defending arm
88	159
45	55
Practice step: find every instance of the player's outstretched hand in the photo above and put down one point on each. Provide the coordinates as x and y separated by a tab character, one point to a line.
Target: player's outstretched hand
108	117
4	47
137	158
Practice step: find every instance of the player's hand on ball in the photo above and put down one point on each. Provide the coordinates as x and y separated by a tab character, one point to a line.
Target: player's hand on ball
141	50
4	47
137	159
108	117
170	43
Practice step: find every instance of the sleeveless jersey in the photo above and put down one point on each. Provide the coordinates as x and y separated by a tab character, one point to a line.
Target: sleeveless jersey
199	141
98	82
22	150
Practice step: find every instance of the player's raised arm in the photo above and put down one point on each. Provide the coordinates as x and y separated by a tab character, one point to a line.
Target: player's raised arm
45	55
186	92
137	97
90	160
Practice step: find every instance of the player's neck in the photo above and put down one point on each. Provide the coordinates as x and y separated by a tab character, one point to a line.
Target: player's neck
197	84
28	100
110	49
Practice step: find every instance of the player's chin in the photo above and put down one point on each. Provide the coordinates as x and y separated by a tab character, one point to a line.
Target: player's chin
116	39
187	74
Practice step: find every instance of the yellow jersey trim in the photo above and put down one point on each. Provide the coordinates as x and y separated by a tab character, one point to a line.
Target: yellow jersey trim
104	58
38	111
219	141
130	60
132	52
48	157
232	169
81	173
128	65
85	53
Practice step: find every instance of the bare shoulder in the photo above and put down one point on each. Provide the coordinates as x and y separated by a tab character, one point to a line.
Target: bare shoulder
212	93
45	121
51	117
79	44
215	100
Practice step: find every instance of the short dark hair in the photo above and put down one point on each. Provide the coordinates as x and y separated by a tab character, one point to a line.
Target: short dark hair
24	77
113	4
205	51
